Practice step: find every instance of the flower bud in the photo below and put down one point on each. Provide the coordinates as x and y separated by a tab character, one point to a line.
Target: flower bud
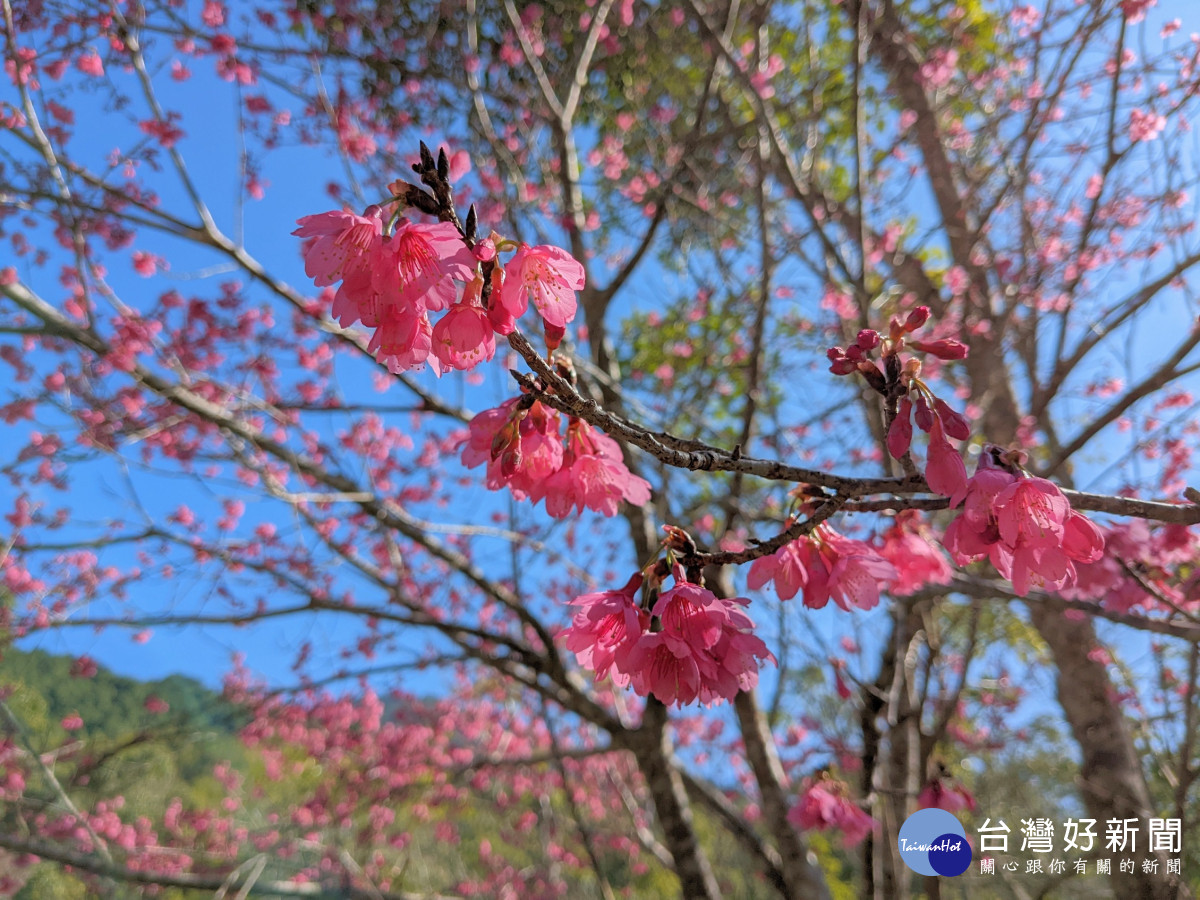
868	339
947	348
916	318
841	365
485	250
954	423
554	335
510	461
923	415
507	437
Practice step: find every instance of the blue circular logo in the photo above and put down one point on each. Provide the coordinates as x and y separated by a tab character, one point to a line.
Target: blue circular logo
933	842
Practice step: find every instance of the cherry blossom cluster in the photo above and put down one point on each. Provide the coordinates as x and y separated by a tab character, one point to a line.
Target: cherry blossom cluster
909	545
521	442
1024	525
393	278
825	804
900	382
1138	568
825	564
691	645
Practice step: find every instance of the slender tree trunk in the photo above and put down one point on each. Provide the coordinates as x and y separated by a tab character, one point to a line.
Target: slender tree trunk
652	746
804	880
1111	778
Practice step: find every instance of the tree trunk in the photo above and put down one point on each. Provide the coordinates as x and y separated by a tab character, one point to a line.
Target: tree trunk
1111	778
652	746
804	880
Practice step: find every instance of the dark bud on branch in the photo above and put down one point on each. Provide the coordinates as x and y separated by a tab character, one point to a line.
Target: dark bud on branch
874	377
679	541
891	365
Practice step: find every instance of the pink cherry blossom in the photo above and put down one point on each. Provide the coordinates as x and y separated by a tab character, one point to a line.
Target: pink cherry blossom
1145	126
523	448
549	276
826	564
1025	526
692	615
593	476
391	283
737	654
463	337
909	547
604	630
825	804
367	292
665	668
787	567
460	165
1031	512
705	651
428	258
1130	544
89	63
404	340
336	238
857	572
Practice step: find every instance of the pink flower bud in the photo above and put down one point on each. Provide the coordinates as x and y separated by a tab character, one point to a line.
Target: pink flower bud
916	319
947	348
944	470
899	436
924	415
956	424
554	335
868	339
841	364
510	460
485	250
